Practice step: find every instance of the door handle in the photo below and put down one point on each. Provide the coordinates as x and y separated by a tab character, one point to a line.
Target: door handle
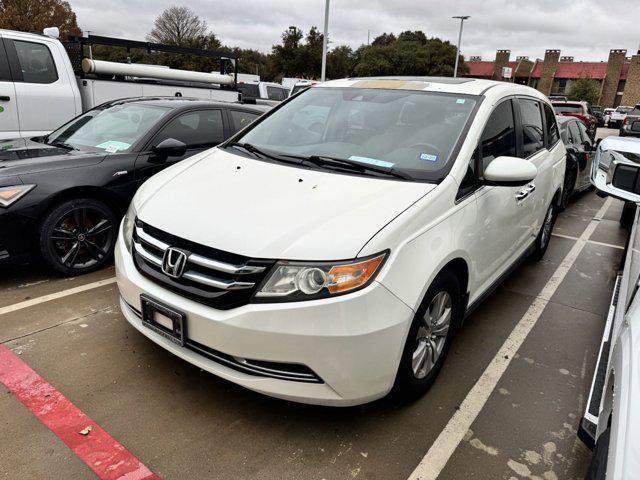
522	194
531	188
5	98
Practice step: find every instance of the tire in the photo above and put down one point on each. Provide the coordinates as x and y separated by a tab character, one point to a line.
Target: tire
598	466
628	214
570	178
544	236
415	378
78	236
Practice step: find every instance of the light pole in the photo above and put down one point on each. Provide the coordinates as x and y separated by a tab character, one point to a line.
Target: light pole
324	41
462	18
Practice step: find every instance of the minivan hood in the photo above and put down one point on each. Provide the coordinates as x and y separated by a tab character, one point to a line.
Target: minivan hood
265	210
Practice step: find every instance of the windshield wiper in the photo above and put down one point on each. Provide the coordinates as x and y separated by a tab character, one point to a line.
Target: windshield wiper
261	153
62	145
325	161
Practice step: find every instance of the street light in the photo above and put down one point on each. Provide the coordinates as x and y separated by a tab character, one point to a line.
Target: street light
324	41
462	18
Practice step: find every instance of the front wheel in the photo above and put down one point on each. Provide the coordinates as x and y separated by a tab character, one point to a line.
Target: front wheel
569	186
429	336
78	236
544	236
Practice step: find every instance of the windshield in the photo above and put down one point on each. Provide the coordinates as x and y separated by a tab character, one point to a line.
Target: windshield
112	129
623	109
249	90
568	108
410	131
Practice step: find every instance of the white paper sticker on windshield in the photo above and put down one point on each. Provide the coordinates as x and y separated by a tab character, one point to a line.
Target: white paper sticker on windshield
429	157
113	146
460	101
372	161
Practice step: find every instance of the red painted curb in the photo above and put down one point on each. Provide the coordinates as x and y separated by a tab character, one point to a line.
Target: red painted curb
109	459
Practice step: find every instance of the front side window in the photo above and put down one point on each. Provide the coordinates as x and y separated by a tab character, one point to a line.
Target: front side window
275	93
36	62
499	135
408	130
239	119
583	133
552	127
533	133
112	129
203	128
574	132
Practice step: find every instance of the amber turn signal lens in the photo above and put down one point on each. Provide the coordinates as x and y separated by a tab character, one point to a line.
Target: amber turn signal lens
354	275
9	194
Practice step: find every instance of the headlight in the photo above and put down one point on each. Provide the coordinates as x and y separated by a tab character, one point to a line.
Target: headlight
127	226
291	281
9	195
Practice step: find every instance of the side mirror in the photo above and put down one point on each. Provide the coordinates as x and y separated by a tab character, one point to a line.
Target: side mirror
509	172
170	148
616	168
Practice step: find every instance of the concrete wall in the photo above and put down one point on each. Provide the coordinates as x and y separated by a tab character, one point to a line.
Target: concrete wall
631	94
612	78
551	58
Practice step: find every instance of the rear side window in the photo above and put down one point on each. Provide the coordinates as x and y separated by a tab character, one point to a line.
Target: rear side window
275	93
5	74
203	128
533	133
499	135
36	62
239	119
552	126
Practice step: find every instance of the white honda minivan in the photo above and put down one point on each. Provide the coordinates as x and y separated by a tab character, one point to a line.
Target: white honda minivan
329	251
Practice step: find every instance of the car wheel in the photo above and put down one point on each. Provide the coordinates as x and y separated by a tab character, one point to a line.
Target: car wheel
544	236
569	186
429	336
598	466
78	236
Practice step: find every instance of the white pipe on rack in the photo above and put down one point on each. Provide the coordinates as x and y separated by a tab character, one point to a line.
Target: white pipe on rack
152	71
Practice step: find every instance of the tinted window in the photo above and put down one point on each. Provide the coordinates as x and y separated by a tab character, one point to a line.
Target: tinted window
568	108
583	133
574	133
239	119
249	90
36	62
203	128
5	75
275	93
552	127
564	133
499	135
533	137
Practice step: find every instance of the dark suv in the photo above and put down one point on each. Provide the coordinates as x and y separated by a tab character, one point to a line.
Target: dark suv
631	124
579	110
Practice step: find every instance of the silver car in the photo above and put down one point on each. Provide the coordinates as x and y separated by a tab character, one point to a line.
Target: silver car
611	422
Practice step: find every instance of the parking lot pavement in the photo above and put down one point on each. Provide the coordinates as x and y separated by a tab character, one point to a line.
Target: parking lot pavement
184	423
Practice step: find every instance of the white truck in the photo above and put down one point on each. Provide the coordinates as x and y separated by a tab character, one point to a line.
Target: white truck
44	83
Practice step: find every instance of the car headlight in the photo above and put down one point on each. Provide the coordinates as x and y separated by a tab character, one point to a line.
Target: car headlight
128	223
291	281
12	194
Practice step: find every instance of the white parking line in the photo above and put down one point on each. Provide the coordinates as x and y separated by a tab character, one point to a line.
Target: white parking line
438	455
55	296
594	242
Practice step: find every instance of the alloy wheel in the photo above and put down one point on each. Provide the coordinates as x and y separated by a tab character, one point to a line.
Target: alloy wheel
432	335
82	237
546	227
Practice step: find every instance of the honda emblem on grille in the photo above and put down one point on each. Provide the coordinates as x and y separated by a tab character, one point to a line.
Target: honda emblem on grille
173	262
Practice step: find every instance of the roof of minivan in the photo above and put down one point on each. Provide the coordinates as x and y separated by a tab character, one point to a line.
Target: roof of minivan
471	86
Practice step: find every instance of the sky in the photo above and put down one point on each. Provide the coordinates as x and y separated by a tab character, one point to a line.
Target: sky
584	29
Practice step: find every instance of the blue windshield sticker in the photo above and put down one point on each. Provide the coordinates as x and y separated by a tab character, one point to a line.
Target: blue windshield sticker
429	157
460	101
372	161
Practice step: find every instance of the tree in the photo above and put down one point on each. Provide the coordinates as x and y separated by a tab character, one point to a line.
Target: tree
411	53
340	62
294	58
584	89
35	15
180	26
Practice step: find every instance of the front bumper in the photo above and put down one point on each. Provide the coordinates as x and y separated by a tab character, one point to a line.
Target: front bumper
16	237
353	343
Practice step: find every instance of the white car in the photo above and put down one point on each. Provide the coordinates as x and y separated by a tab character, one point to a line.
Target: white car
618	115
611	421
332	261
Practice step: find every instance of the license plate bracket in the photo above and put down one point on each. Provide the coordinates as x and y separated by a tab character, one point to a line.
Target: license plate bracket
163	320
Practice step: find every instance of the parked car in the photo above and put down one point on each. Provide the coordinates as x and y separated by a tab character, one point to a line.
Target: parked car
561	98
597	112
618	116
611	420
341	257
607	115
40	89
580	149
631	124
579	110
302	85
62	195
274	93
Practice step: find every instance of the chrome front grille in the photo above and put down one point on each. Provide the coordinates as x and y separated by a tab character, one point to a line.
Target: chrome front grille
216	278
